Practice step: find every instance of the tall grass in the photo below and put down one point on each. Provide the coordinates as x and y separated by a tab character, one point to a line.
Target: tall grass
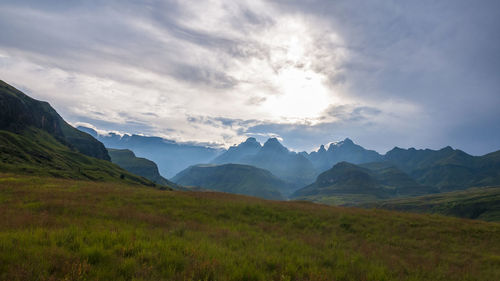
56	229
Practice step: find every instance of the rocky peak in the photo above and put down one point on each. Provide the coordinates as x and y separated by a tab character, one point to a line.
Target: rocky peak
274	144
322	149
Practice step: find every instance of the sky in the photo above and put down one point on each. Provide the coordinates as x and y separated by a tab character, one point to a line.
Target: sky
422	74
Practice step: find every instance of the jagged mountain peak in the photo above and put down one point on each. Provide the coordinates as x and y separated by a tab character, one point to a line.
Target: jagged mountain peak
322	149
272	140
332	146
251	140
345	150
274	144
347	141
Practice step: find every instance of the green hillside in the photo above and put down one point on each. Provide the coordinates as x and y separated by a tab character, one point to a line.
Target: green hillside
348	184
20	112
474	203
447	169
389	176
35	140
233	178
140	166
36	152
58	229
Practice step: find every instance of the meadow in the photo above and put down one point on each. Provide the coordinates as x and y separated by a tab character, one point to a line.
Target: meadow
62	229
482	203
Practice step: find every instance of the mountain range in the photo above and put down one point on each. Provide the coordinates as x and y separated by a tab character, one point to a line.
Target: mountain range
289	166
35	139
297	168
448	169
337	152
403	173
400	172
170	156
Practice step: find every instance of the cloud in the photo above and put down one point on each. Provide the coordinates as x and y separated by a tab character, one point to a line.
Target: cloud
386	72
352	113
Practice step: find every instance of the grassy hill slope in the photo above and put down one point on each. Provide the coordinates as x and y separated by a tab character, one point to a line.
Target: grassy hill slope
474	203
348	184
36	152
34	139
233	178
19	112
58	229
447	169
140	166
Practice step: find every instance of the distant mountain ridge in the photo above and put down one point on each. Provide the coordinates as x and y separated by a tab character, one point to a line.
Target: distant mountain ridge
240	153
171	157
337	152
441	170
289	166
448	169
405	172
297	168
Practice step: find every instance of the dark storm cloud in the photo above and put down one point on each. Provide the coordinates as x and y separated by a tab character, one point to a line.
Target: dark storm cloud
350	113
213	78
223	122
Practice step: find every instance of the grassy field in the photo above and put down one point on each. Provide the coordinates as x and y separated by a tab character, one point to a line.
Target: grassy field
340	199
474	203
62	229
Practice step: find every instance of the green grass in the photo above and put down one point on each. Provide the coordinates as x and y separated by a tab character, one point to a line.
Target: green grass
340	199
61	229
474	203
